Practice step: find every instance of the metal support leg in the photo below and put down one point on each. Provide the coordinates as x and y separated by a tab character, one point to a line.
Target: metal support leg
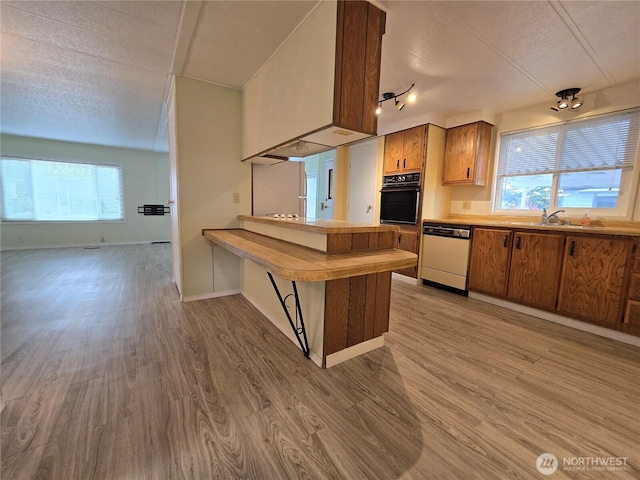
300	332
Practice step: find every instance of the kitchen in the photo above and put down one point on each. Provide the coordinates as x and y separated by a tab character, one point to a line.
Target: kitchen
210	148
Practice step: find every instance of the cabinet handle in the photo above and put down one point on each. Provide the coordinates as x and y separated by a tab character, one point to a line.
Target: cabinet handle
468	171
404	163
518	240
399	238
572	247
506	241
398	163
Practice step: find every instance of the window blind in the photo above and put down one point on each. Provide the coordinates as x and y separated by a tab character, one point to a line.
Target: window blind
43	190
600	143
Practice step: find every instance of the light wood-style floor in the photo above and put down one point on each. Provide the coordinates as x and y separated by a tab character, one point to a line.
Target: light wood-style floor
107	375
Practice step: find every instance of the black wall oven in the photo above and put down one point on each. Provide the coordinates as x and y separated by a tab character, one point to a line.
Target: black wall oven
400	199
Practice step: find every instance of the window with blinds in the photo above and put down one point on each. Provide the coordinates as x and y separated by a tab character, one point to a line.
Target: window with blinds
43	190
577	164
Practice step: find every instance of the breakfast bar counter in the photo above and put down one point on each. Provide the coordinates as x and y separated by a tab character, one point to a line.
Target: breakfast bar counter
344	270
290	261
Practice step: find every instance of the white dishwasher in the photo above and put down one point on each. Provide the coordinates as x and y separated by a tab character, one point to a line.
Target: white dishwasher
445	255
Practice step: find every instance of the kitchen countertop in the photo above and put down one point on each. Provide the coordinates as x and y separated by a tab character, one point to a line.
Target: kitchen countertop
319	225
533	225
295	262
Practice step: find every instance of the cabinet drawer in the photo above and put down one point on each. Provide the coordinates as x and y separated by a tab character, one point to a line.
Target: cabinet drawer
632	315
636	264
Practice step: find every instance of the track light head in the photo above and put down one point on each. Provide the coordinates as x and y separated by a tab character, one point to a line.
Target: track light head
379	109
399	105
575	103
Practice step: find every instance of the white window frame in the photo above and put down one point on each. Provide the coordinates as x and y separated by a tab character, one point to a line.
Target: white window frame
119	168
628	183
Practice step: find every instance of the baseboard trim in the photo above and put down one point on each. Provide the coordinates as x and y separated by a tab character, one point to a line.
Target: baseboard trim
206	296
354	351
553	317
81	245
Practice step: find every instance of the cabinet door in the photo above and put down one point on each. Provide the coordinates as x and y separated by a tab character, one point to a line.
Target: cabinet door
413	149
393	152
460	154
534	275
408	240
593	281
490	256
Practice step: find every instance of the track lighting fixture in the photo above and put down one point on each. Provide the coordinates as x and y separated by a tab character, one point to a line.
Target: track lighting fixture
394	96
565	102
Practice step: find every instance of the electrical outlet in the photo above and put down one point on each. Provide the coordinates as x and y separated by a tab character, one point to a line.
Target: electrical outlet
466	205
101	239
236	197
21	239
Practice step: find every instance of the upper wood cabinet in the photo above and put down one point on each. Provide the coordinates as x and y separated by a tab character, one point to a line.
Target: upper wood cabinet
593	285
490	258
467	154
404	151
321	86
534	275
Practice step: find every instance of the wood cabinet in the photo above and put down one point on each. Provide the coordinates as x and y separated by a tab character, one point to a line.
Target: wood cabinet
467	151
594	281
534	275
404	151
408	240
632	313
490	258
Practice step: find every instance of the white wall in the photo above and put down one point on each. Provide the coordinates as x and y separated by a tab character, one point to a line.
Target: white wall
209	129
145	177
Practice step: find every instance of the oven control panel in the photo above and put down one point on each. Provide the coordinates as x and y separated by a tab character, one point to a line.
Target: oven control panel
406	179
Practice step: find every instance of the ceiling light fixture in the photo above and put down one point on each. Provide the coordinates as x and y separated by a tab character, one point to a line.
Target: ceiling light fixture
394	96
564	101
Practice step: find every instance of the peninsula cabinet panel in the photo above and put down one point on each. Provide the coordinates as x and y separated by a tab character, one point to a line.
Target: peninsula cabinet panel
404	151
467	154
490	257
593	285
534	276
408	240
356	310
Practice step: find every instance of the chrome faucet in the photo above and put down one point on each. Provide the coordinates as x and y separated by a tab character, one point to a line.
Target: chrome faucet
551	218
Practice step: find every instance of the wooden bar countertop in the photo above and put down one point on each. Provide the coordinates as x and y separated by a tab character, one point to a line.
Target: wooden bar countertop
319	225
295	262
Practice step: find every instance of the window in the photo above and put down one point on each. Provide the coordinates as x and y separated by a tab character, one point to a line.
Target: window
585	164
42	190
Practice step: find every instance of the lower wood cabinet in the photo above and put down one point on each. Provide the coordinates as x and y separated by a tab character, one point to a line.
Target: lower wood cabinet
408	240
536	260
594	284
632	313
490	258
588	277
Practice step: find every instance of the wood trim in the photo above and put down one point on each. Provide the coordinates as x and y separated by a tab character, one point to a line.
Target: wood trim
376	20
357	305
383	303
337	89
336	316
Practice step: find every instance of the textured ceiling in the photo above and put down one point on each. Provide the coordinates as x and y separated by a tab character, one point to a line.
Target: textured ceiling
97	72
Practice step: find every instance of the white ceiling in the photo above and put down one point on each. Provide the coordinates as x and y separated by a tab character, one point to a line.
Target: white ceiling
98	71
